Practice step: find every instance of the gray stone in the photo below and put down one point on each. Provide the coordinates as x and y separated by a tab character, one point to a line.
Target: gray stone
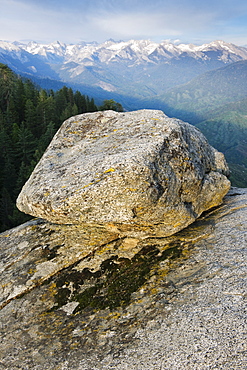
136	174
64	304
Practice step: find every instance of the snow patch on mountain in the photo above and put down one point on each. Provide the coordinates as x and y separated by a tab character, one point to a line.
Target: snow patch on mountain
134	50
142	67
105	86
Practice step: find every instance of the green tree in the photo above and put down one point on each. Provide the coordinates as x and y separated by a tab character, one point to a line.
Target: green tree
31	91
70	96
20	100
7	161
111	105
80	101
91	107
25	145
45	139
7	85
6	209
46	112
30	115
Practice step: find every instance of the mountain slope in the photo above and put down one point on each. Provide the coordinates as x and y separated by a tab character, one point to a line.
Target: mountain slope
207	92
227	131
21	61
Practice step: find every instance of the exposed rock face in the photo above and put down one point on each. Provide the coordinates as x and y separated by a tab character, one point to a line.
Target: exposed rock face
134	174
75	299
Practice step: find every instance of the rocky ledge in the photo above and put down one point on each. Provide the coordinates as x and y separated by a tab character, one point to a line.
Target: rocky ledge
166	303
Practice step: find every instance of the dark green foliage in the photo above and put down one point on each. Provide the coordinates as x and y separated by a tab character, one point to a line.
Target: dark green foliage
29	118
7	82
111	105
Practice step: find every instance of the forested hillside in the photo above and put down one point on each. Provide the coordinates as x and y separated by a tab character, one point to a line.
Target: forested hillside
29	117
208	91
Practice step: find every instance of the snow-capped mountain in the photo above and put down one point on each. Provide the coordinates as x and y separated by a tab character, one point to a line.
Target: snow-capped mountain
138	67
23	62
136	50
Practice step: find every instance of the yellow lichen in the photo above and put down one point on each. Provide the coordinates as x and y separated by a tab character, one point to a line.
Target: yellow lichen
114	315
104	250
53	288
74	132
110	170
31	271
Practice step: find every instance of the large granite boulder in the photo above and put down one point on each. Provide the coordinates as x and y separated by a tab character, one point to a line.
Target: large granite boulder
136	174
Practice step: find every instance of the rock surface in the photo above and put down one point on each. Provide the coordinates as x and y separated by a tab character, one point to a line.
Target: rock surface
77	299
135	174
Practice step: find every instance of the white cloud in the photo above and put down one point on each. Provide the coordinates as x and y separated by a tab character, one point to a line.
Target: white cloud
20	20
153	25
76	20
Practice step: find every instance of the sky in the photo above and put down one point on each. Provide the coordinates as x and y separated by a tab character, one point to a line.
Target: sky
73	21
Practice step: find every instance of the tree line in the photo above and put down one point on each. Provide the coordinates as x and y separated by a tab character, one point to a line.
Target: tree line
29	118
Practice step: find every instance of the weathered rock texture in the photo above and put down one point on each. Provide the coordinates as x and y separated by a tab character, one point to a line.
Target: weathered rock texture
70	301
134	174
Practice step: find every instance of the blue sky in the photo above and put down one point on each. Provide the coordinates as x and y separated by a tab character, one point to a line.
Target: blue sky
72	21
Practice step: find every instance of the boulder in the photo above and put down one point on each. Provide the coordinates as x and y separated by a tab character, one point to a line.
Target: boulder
136	174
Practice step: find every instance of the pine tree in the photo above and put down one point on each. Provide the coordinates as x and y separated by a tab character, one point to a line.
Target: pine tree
111	105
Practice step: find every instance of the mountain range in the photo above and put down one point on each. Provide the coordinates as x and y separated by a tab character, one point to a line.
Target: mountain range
204	85
138	68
